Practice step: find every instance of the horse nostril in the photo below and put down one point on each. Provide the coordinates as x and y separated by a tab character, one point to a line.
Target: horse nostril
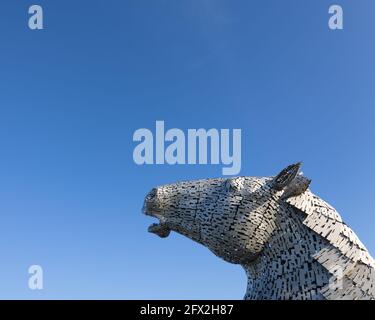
150	204
152	194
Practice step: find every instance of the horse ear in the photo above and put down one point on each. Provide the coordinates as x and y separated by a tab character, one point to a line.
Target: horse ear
291	181
286	176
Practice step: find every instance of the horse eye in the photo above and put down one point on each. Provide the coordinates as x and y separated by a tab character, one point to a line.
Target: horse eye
229	185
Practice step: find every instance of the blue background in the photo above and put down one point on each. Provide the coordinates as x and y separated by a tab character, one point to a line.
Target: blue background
72	95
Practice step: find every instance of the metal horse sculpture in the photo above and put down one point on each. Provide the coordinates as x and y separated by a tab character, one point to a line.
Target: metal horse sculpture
291	243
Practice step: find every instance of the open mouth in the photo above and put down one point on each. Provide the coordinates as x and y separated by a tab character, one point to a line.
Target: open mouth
161	229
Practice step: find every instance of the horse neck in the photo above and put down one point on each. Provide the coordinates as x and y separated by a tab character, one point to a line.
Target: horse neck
285	269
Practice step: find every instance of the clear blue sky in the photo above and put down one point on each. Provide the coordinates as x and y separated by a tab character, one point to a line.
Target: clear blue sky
72	95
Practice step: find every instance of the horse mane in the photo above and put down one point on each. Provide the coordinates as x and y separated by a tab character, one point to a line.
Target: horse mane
345	257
